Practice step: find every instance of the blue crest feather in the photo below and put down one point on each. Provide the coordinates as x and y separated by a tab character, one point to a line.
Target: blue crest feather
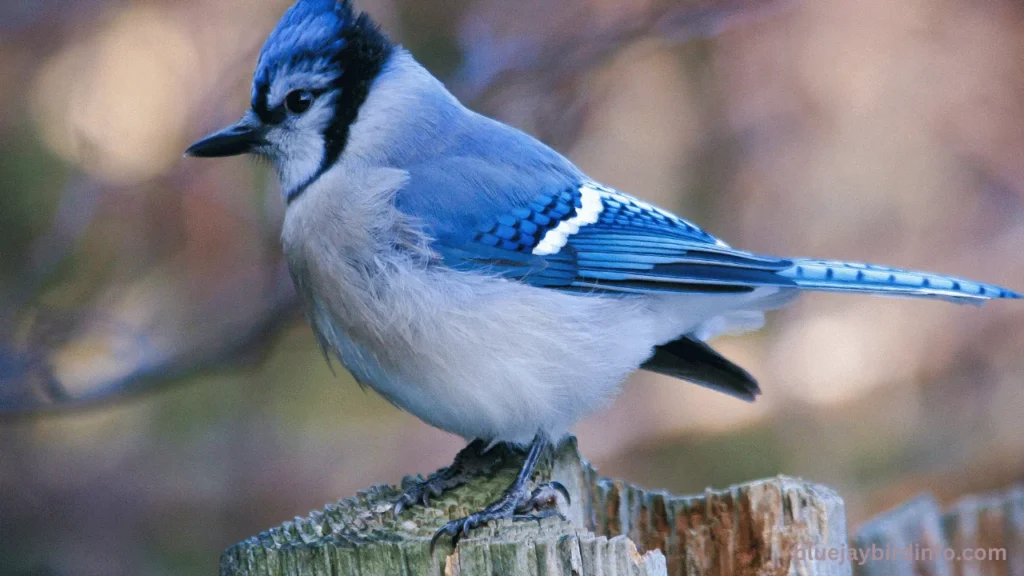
329	38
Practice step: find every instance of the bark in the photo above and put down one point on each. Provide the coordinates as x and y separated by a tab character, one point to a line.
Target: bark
611	528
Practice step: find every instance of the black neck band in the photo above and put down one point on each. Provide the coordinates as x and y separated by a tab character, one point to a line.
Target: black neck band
366	51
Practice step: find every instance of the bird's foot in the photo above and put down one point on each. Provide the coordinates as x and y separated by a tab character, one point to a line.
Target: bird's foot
517	503
474	460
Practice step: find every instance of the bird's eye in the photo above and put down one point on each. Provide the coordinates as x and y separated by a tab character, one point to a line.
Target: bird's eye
298	101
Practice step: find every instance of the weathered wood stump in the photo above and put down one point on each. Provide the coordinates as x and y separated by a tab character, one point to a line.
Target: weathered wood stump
611	528
979	535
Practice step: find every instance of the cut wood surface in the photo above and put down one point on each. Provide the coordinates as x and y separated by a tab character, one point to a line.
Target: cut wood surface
611	528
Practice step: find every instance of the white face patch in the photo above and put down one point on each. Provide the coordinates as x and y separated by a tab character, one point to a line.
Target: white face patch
589	212
297	145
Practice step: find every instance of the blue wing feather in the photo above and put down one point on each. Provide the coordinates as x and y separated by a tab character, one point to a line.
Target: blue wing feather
529	215
630	247
836	276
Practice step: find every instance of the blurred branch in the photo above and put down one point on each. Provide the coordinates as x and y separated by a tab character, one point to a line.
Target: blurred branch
493	58
28	382
550	57
74	214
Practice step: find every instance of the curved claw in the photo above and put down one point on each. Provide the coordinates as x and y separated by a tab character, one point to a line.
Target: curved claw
420	493
561	490
450	529
457	529
545	497
434	539
401	504
538	516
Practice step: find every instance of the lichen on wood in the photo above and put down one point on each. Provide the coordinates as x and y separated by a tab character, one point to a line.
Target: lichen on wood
610	528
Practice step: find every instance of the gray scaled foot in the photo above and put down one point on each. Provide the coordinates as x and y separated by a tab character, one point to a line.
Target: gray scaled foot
518	502
470	462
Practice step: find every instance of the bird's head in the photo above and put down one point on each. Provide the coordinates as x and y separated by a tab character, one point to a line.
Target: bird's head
313	74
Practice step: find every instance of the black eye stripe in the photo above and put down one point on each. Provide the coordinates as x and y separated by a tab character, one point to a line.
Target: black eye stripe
279	113
343	56
275	115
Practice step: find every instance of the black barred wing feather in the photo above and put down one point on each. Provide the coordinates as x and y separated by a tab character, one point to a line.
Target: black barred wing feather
592	238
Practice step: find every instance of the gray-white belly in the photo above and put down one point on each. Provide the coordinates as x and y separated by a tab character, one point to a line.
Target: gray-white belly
489	358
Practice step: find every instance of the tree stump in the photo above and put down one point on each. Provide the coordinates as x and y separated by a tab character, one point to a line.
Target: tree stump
919	538
610	528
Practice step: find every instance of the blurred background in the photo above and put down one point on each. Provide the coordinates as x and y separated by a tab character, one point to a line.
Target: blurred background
869	130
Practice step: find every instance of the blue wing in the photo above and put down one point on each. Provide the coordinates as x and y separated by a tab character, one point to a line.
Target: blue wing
584	236
497	201
587	237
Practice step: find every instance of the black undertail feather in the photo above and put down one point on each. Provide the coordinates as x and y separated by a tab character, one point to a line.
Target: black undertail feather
694	361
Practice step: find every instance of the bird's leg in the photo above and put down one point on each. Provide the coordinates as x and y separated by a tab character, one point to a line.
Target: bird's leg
518	502
473	460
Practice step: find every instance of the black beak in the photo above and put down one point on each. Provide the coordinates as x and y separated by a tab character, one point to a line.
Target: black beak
245	137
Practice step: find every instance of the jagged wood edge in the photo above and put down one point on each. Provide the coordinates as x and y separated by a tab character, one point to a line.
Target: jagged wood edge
752	528
988	521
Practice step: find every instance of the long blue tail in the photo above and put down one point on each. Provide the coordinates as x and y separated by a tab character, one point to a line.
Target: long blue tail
836	276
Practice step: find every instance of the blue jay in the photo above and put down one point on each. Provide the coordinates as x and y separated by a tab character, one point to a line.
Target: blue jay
477	278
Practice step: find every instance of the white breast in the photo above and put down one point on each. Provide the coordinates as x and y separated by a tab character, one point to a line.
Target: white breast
481	357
